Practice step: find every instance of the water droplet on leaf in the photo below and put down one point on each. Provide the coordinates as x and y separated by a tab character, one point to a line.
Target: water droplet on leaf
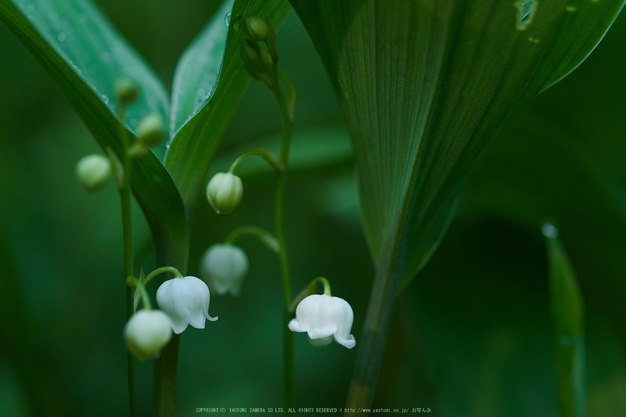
227	19
526	13
549	231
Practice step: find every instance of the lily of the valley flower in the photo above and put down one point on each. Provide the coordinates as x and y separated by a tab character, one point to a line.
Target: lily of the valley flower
323	316
186	301
224	267
147	332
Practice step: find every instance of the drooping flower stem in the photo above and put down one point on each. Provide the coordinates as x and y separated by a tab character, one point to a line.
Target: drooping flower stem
162	270
266	155
286	114
309	290
264	236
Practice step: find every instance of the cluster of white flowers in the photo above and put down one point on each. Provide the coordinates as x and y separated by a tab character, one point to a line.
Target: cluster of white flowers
185	301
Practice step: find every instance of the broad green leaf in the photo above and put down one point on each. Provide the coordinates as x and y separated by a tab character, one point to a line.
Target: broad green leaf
85	56
568	314
424	85
203	106
198	69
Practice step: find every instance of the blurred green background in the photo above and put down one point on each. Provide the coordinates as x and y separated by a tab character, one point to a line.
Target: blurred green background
472	336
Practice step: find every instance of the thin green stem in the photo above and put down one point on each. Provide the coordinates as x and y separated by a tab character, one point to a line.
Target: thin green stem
309	290
128	270
263	153
288	340
263	235
162	270
134	282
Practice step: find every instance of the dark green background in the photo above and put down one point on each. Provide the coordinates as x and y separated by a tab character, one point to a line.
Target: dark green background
471	336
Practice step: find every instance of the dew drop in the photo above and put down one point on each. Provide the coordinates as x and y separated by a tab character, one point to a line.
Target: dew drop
526	12
549	231
61	36
227	18
105	98
236	21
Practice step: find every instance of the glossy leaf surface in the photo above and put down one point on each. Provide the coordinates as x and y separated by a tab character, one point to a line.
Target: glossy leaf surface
425	84
85	56
212	106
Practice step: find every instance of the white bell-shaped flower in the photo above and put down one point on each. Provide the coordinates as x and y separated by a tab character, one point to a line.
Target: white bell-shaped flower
147	332
224	267
322	316
186	301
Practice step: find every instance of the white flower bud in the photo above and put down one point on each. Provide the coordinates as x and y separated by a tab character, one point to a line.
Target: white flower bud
147	332
322	316
151	130
186	301
224	267
126	90
224	192
93	172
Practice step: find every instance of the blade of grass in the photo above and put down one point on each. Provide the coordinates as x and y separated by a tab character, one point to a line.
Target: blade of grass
568	314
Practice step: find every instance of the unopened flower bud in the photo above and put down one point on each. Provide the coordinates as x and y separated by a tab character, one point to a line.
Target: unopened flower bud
93	172
224	192
147	332
251	53
256	29
224	267
259	64
126	90
151	130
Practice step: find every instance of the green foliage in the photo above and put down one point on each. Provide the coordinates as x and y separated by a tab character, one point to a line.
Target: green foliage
471	337
568	316
197	139
85	57
425	85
